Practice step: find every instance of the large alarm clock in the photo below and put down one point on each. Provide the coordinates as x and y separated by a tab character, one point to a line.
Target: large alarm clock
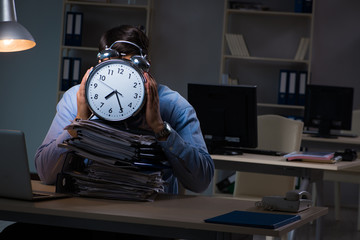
115	90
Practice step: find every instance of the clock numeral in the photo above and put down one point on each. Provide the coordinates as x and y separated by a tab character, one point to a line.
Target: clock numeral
102	77
110	72
136	95
96	96
130	105
102	104
121	110
135	84
95	85
129	75
110	110
120	71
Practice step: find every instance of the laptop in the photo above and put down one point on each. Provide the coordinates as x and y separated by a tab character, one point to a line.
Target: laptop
15	179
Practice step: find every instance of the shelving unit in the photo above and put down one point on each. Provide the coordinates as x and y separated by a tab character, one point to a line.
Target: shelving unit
272	38
99	16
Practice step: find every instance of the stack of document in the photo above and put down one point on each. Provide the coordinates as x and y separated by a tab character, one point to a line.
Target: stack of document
112	162
319	157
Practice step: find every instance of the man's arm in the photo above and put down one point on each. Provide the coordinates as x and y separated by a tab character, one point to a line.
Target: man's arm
47	157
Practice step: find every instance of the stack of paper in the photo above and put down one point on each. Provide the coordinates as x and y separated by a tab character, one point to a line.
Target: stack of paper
110	162
237	45
320	157
302	49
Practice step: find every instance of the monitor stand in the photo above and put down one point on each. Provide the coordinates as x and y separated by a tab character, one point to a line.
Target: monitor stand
226	151
220	147
324	131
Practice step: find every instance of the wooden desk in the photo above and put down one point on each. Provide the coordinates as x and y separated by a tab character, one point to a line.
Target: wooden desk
349	175
309	172
168	216
334	144
233	162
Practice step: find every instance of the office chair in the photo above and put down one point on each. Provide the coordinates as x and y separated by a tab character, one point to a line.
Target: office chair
274	133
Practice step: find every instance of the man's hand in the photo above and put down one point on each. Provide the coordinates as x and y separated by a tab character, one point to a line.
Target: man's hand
83	111
153	117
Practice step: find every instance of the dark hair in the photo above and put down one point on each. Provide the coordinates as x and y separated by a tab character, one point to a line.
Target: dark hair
128	33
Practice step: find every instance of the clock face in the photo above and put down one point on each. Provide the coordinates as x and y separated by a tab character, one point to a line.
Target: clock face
115	90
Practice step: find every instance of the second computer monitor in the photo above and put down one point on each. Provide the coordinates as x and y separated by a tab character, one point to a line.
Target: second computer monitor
327	108
227	114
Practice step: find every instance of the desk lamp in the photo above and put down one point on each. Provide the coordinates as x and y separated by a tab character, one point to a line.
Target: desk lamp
13	36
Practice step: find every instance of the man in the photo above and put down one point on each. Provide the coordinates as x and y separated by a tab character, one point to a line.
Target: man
167	112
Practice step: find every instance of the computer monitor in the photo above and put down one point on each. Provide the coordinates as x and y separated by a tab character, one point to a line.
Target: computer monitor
227	115
327	108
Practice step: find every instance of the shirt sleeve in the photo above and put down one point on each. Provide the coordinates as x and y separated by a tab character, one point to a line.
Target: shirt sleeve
49	157
186	151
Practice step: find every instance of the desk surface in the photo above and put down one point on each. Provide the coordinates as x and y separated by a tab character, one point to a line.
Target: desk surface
339	140
165	216
281	161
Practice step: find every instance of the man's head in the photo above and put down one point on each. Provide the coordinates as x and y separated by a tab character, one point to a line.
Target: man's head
127	33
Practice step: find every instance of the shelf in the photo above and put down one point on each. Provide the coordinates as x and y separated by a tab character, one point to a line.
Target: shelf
270	13
98	16
80	48
266	59
106	4
272	105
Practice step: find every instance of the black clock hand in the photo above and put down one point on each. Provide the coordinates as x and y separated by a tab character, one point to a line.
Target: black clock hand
110	94
117	97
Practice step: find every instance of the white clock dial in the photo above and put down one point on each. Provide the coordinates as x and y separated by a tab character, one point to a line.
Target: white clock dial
115	90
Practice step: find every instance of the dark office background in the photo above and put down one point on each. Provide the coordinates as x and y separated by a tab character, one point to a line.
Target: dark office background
185	46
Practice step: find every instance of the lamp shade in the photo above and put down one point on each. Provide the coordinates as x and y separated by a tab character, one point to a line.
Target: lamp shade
13	36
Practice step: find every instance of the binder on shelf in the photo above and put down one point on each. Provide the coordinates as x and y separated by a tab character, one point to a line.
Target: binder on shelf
70	72
303	6
76	64
73	31
65	80
69	27
78	29
291	95
282	94
307	7
301	88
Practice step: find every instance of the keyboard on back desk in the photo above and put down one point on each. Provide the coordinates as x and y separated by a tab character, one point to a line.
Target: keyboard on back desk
263	152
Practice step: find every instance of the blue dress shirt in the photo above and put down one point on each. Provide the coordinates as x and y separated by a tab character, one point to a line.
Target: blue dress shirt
185	148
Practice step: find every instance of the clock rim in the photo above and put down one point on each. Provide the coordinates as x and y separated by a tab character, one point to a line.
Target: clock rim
103	64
